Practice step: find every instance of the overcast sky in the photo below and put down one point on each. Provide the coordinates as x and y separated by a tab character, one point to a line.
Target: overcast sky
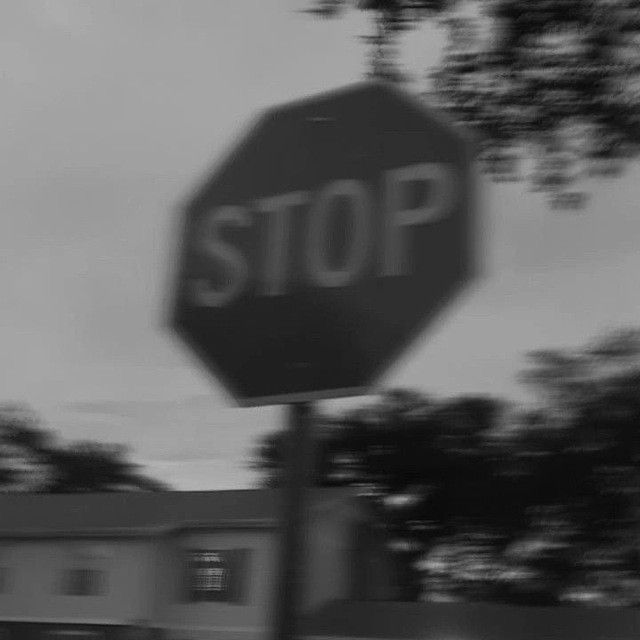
113	111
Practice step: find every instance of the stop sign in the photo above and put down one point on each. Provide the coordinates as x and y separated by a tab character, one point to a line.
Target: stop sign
324	243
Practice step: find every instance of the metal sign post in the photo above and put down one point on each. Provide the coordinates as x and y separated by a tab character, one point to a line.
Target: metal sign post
298	480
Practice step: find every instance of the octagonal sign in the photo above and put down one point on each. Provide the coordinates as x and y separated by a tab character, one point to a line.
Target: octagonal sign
324	243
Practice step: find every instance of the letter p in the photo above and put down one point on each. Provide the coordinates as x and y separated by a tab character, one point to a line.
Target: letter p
437	201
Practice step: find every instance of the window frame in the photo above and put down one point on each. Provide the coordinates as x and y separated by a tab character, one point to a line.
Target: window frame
84	581
84	573
6	570
235	562
4	580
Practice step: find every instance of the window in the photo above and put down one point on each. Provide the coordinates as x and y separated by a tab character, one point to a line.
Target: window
84	582
217	575
85	573
5	572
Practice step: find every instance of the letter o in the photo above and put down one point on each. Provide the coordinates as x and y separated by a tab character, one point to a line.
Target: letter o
360	207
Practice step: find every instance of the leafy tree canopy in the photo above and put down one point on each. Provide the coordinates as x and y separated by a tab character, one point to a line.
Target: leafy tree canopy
31	459
552	81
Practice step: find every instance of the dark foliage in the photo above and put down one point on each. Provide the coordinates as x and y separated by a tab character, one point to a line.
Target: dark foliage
489	502
32	460
555	81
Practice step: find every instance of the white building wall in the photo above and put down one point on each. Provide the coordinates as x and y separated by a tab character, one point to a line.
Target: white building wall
325	578
217	619
147	579
327	564
35	570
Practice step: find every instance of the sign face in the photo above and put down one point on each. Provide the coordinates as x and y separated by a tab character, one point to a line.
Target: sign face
326	241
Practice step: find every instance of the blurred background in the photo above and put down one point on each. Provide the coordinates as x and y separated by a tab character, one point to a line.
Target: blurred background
505	455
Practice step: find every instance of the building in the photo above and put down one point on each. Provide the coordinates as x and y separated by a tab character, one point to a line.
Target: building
194	565
202	565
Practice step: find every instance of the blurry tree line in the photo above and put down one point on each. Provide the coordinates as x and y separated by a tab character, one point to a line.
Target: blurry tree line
553	82
32	459
484	500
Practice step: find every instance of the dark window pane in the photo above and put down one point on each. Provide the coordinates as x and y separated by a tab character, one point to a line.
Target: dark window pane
216	576
84	582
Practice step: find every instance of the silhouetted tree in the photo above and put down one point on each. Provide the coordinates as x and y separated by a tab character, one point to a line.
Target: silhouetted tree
489	501
31	459
556	81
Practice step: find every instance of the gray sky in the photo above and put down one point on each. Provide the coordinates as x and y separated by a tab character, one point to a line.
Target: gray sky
112	112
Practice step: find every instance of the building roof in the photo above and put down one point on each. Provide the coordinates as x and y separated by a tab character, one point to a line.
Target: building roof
144	513
470	621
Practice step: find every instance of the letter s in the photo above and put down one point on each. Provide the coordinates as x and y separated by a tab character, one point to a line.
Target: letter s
235	265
